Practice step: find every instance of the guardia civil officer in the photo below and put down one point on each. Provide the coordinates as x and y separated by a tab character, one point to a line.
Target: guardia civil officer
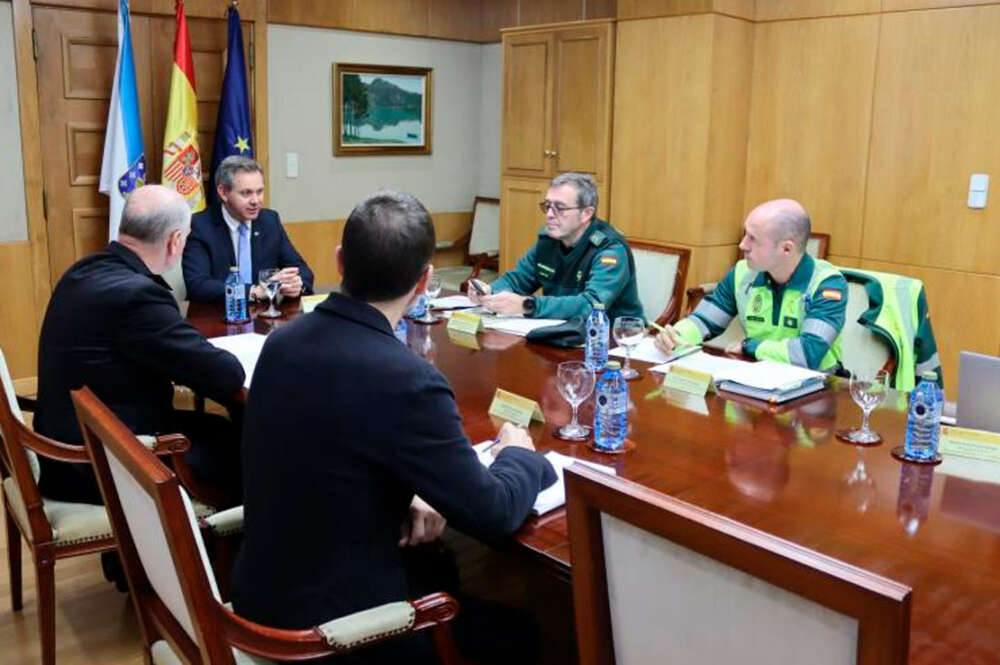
791	305
578	260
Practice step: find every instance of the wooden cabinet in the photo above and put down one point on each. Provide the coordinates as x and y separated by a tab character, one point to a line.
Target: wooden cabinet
557	99
556	118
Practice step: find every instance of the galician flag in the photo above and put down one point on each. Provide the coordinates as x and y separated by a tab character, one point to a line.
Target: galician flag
181	157
232	128
123	167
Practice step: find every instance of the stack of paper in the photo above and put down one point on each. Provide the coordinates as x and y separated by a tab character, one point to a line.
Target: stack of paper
245	347
554	495
770	380
517	325
647	352
705	363
452	302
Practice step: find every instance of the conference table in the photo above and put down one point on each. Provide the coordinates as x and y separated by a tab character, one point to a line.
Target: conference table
777	469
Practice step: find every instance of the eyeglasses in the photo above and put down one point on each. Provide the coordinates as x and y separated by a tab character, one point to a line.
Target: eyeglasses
557	208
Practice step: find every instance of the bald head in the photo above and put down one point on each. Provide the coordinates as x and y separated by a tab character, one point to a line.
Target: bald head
784	219
152	213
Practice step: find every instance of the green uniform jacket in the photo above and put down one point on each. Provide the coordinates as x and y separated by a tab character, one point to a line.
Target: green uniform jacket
598	268
800	321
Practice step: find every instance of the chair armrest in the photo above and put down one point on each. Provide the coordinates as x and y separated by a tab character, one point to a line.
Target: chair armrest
461	241
340	635
696	293
53	449
444	244
225	522
165	444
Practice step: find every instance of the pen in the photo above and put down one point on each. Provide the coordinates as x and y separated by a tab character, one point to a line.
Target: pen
682	346
475	284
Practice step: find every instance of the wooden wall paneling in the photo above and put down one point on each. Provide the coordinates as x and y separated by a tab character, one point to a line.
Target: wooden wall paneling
527	104
455	19
249	11
845	261
955	327
905	5
711	263
520	217
450	226
732	60
934	124
810	120
406	17
745	9
18	325
584	60
775	10
600	9
663	71
318	13
630	9
317	241
31	153
532	12
497	14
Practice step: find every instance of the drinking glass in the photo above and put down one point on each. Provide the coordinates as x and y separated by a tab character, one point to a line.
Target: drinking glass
628	332
575	381
859	485
268	280
432	291
868	390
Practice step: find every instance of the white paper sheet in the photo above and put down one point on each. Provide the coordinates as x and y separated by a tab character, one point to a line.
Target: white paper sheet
702	362
553	496
646	351
517	325
452	302
245	347
768	375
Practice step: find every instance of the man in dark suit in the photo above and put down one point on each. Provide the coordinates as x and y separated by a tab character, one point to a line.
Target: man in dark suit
344	427
240	232
113	325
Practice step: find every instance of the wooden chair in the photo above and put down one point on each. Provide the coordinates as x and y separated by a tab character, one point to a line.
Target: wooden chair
180	613
863	351
56	530
661	271
657	580
482	247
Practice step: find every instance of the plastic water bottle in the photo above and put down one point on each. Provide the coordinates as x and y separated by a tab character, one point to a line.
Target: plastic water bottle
597	338
419	308
611	411
236	297
926	402
401	329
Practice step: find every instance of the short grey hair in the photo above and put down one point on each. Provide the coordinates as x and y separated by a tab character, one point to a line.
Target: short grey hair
230	166
583	183
152	224
794	225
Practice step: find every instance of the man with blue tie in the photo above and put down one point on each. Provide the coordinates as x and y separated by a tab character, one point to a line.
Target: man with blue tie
240	232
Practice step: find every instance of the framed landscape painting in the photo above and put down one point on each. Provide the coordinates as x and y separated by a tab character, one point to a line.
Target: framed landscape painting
381	110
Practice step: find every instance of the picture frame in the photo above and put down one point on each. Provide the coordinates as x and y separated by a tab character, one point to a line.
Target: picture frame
381	109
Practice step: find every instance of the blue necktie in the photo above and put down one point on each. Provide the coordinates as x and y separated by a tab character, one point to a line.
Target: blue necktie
244	255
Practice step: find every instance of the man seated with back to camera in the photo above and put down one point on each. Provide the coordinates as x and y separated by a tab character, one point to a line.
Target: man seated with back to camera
347	434
577	262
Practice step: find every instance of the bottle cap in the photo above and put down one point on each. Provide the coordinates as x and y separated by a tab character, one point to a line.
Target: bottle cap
598	305
233	269
929	375
613	364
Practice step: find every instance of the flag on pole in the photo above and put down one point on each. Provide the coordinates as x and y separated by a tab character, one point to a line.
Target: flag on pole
181	157
232	128
123	167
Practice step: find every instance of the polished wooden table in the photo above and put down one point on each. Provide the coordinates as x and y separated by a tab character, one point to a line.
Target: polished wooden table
778	470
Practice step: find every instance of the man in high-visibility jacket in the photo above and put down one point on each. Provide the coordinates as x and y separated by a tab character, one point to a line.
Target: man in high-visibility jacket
791	305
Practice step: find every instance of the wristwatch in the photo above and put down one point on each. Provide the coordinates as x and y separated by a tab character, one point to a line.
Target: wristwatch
743	346
528	305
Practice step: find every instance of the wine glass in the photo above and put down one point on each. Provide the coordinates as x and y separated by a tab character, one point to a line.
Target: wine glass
575	381
431	291
268	280
628	332
868	390
859	485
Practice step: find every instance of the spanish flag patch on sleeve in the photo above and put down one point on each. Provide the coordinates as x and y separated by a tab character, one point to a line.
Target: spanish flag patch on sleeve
609	260
832	294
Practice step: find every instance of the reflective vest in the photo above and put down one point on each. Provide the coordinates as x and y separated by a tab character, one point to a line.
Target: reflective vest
754	306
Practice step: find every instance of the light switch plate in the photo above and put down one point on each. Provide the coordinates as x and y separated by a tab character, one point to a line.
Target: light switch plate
979	185
292	164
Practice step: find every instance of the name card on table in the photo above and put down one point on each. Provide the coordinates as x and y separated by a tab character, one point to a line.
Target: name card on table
308	303
464	339
465	322
973	443
518	410
686	380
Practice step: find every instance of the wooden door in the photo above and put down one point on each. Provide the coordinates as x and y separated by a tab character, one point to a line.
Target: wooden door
582	100
76	52
76	58
527	104
520	217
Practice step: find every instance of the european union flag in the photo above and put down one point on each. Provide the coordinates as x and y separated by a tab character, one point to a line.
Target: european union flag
232	128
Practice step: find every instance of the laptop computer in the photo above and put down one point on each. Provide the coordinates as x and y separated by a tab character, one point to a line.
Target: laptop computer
978	391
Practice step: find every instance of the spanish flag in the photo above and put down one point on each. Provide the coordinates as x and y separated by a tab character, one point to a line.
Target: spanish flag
181	157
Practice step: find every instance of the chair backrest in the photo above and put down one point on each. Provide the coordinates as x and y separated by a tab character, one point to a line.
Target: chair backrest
162	551
11	428
818	245
660	275
657	580
863	351
485	238
175	278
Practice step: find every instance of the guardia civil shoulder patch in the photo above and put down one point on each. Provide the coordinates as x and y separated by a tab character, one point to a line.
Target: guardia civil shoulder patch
609	260
832	294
